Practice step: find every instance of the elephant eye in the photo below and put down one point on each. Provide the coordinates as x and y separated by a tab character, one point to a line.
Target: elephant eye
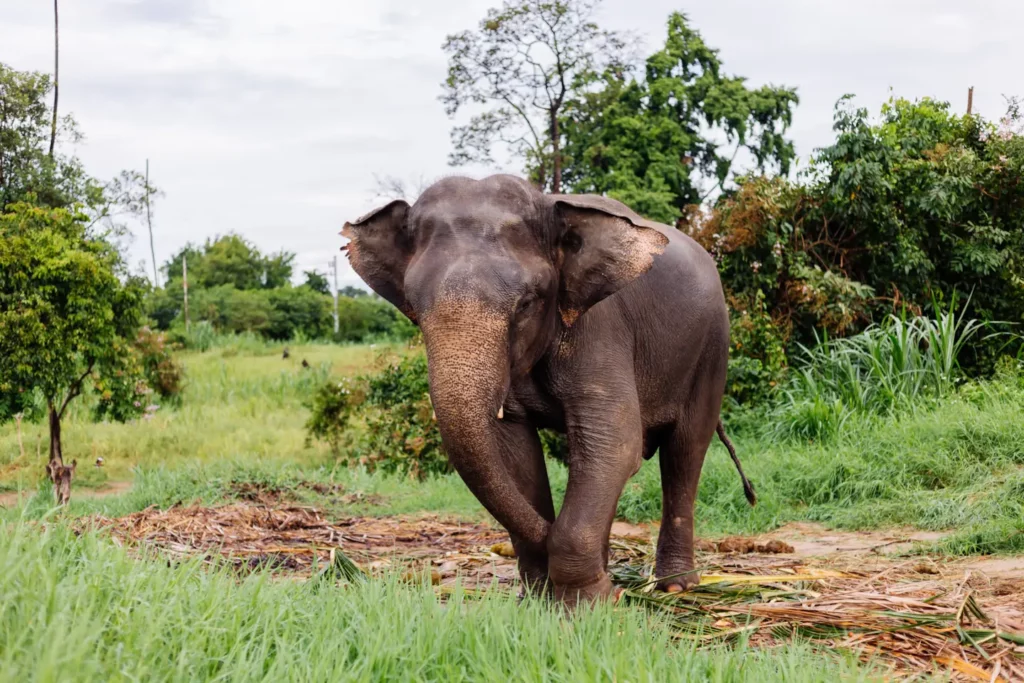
526	301
572	242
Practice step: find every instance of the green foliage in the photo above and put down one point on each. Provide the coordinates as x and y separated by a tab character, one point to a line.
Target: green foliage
518	71
120	386
164	374
887	368
384	421
656	143
317	282
920	201
231	260
66	305
27	172
332	406
757	358
401	434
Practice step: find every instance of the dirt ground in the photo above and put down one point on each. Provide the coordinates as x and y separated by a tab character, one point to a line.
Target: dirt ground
875	593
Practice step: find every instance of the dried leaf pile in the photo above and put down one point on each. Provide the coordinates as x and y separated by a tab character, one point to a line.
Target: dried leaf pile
915	615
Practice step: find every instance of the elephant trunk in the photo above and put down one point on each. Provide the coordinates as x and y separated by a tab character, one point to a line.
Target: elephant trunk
468	361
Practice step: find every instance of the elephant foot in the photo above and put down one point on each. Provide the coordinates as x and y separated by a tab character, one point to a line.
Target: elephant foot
678	582
533	574
574	595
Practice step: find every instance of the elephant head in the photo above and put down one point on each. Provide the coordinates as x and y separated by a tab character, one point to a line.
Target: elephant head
493	272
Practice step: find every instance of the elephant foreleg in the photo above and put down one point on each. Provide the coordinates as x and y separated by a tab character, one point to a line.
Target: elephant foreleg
605	449
523	458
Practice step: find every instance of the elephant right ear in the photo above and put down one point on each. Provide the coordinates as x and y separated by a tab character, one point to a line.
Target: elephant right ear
379	249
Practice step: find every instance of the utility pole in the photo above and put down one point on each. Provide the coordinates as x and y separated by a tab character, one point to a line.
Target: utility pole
56	77
184	286
149	222
970	100
334	264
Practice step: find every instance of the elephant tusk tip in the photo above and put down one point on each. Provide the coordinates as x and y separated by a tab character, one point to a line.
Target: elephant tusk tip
501	412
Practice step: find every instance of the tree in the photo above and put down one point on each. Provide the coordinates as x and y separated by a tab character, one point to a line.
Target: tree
25	166
916	205
231	260
28	172
68	314
673	139
317	282
521	66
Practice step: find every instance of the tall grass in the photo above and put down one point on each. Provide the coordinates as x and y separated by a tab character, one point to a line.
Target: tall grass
887	368
78	608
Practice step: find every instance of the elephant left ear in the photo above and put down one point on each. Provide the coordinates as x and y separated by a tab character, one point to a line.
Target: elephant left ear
605	246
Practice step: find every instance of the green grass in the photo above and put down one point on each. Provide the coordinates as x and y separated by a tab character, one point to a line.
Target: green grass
958	467
81	608
953	465
78	608
241	401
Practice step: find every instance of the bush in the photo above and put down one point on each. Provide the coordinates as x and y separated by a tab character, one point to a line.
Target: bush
918	200
280	314
887	368
332	407
163	373
757	354
399	431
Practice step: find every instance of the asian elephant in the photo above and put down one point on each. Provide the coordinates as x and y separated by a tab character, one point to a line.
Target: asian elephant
568	312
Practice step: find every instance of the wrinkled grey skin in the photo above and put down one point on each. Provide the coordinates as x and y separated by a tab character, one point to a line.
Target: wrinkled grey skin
568	312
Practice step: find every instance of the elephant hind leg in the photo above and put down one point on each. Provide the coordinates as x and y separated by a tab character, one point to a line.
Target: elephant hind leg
681	458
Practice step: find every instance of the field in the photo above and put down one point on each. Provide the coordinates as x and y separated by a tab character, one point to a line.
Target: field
211	544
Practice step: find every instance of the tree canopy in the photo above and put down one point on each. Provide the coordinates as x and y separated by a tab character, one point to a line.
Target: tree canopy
674	137
231	260
518	70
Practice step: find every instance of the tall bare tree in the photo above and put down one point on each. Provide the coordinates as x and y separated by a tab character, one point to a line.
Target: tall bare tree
56	72
518	69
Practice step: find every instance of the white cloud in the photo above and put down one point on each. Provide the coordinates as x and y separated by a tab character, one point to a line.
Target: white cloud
271	118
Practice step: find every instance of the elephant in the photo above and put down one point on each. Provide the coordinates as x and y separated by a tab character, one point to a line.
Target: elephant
565	312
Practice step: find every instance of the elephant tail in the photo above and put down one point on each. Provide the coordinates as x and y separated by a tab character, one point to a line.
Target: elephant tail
748	488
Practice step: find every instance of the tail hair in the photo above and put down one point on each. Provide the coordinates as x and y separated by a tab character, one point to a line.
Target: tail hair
748	488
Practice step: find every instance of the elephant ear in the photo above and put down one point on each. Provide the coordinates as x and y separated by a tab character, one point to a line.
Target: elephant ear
605	246
379	249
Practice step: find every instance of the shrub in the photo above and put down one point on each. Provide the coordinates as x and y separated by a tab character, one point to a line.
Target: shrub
888	367
163	373
331	408
757	354
399	432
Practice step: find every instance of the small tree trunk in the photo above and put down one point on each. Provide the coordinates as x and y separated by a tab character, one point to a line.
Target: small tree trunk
56	454
556	156
60	474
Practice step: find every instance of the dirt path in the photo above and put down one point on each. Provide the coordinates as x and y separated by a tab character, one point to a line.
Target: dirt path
11	499
846	590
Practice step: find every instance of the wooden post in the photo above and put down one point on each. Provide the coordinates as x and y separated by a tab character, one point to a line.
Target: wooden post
970	100
149	223
184	286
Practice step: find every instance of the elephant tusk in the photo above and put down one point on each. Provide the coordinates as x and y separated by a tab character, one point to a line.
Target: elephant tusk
501	412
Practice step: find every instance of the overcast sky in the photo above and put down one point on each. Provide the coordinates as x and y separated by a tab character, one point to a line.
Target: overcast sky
271	118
